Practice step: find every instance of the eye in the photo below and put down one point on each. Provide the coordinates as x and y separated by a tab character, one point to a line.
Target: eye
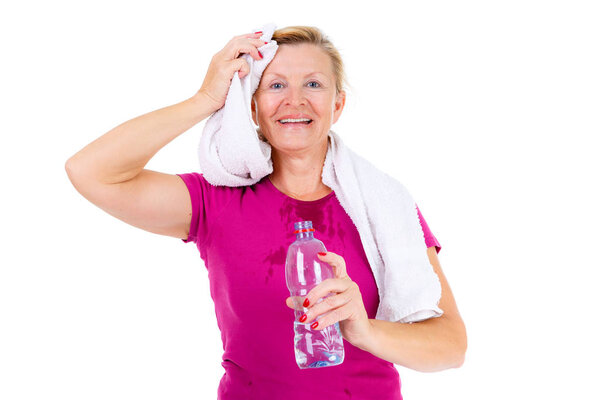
315	82
273	85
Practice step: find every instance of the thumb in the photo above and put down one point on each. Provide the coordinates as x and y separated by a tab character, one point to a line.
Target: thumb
337	262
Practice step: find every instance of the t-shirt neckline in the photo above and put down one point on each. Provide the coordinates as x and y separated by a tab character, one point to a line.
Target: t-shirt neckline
285	196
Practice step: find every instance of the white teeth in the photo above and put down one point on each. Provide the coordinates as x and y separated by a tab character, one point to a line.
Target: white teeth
284	121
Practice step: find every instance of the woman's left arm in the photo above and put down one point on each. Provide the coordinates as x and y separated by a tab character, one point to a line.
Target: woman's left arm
431	345
428	346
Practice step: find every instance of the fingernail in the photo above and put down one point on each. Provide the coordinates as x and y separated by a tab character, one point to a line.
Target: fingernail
266	42
258	32
305	304
260	54
322	254
316	323
303	318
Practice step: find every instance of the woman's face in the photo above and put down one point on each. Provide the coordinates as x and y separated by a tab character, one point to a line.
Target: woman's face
298	83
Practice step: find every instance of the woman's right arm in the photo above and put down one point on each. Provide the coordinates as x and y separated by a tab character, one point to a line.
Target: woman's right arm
109	172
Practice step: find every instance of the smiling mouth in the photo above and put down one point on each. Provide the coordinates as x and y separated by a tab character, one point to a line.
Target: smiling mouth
288	123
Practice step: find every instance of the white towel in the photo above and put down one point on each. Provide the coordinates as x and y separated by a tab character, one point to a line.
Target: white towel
382	209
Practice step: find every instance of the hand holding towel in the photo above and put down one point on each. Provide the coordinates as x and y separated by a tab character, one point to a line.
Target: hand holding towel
230	152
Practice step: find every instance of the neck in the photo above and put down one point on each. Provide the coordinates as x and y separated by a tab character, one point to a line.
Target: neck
299	174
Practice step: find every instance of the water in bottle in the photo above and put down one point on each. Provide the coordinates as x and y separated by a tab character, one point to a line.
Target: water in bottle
304	271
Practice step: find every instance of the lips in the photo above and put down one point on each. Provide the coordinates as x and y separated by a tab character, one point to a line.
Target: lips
294	116
294	121
293	124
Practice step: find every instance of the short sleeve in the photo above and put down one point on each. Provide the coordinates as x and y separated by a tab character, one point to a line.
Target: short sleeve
207	203
196	188
430	239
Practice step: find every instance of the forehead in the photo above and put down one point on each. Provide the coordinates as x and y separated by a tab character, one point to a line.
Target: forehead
299	59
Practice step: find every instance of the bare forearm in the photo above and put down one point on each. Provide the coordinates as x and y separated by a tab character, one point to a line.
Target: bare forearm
122	153
432	345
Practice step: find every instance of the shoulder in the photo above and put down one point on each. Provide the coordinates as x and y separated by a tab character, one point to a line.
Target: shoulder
206	194
198	180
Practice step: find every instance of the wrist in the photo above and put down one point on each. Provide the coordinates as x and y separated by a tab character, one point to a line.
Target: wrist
369	339
205	102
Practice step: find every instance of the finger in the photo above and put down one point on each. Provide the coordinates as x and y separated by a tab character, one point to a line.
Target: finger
245	36
295	302
246	49
337	262
243	46
328	305
337	315
333	285
250	35
257	43
240	65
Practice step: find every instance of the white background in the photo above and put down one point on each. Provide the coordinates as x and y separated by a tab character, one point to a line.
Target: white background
487	111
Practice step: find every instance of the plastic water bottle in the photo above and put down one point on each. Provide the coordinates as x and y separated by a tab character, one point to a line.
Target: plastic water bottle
304	271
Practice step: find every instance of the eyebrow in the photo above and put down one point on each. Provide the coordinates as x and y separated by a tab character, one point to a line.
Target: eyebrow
281	76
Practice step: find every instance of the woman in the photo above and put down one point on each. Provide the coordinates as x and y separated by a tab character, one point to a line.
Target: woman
242	233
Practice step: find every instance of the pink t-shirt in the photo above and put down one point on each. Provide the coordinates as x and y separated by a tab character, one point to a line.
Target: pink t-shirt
243	234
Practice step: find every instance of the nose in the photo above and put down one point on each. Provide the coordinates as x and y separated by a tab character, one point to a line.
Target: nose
295	96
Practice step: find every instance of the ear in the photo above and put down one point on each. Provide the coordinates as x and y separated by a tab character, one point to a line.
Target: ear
340	101
253	109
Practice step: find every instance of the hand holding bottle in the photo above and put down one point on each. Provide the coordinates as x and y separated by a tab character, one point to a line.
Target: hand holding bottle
345	305
304	270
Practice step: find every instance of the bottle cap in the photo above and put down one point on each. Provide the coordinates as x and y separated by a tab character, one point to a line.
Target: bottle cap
303	226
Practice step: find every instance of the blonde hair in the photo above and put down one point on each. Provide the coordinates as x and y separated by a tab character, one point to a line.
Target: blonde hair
298	34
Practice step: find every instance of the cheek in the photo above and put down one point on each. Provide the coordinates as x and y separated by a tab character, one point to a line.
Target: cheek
267	107
321	104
